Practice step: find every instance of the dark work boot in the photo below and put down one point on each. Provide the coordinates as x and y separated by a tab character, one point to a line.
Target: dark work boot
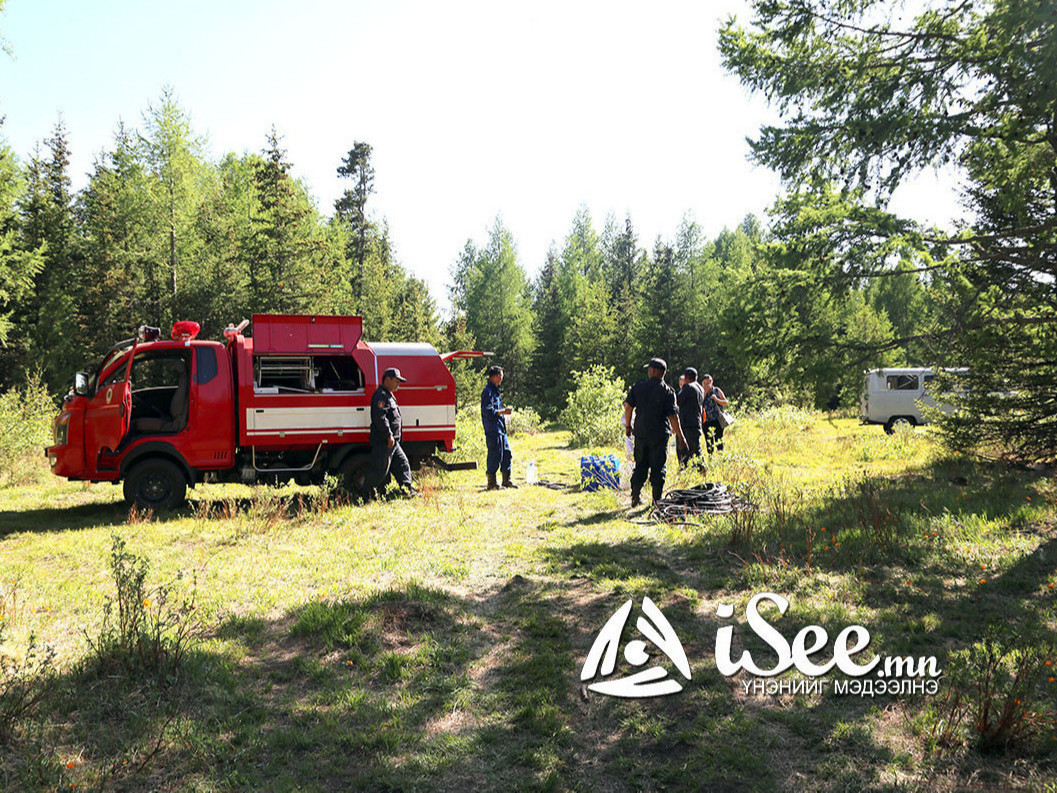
492	484
507	481
658	493
636	500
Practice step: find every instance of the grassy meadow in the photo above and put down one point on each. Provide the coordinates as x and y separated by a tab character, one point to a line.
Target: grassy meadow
436	643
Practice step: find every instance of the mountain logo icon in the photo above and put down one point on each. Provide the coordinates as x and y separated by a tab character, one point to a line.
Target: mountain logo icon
651	682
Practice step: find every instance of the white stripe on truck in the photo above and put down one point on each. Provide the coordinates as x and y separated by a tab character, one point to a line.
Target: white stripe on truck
324	419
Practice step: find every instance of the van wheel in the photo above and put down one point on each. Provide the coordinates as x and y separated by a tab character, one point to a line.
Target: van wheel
156	484
354	474
895	421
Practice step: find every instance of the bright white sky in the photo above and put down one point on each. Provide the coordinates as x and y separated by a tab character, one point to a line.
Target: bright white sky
474	108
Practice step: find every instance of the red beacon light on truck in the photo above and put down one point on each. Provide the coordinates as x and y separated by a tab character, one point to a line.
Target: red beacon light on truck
185	330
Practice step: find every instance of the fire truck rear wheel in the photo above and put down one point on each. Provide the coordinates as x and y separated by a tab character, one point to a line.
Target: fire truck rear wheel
354	473
156	484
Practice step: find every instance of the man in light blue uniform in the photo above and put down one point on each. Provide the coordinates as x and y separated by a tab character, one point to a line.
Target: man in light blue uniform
492	416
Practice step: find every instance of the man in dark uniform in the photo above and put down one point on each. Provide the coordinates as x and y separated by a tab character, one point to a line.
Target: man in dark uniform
691	399
386	454
653	402
492	416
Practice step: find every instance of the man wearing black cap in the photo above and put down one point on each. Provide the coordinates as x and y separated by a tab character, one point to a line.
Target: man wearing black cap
653	402
691	399
386	454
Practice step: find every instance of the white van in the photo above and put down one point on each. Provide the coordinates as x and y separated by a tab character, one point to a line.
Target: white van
894	396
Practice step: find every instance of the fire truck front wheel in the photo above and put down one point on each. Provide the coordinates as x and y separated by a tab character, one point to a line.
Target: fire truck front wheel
156	484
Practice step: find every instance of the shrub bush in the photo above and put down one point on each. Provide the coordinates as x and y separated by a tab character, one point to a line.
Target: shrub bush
152	630
1002	687
524	421
26	414
469	435
24	682
594	408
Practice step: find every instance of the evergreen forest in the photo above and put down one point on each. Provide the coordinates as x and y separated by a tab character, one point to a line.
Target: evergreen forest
160	233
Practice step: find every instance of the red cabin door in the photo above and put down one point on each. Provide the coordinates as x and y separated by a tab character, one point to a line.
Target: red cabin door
109	415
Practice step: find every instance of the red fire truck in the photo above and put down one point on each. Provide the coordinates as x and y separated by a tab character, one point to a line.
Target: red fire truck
290	402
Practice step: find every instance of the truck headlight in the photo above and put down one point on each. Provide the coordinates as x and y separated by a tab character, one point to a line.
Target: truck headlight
62	430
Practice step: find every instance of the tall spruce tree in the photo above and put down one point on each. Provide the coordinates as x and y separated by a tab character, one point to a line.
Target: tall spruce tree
116	213
21	259
287	245
583	298
51	317
549	383
351	209
623	261
490	288
173	157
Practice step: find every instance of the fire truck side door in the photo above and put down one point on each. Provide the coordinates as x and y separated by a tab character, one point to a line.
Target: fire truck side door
109	414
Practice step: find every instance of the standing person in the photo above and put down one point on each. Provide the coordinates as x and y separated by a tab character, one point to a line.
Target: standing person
714	400
656	416
492	416
691	399
386	454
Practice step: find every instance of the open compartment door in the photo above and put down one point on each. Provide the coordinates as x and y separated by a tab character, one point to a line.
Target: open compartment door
460	354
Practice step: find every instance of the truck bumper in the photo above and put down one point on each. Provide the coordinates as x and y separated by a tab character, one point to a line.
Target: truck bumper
67	461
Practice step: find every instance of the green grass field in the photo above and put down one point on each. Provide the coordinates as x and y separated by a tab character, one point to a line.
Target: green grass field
437	643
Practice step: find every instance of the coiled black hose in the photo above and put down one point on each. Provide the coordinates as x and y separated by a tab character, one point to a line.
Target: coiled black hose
710	498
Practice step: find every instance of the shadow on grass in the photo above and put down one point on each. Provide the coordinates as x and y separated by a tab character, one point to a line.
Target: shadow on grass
262	504
61	518
940	541
407	689
602	516
634	566
415	688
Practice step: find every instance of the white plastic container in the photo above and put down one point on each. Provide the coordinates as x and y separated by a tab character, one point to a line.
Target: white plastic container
531	475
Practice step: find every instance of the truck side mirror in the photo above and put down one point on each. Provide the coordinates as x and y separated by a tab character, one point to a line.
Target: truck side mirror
80	384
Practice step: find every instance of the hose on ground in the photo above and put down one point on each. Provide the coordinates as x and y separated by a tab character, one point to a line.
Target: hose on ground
710	498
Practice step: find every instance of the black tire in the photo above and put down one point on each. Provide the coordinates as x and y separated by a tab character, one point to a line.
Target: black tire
354	474
156	484
890	425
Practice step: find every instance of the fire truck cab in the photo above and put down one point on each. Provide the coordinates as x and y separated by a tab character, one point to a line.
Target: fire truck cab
289	402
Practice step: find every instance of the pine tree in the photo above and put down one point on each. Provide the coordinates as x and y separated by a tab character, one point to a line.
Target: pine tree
20	262
468	383
549	382
623	262
121	287
52	327
286	244
491	289
173	157
351	210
